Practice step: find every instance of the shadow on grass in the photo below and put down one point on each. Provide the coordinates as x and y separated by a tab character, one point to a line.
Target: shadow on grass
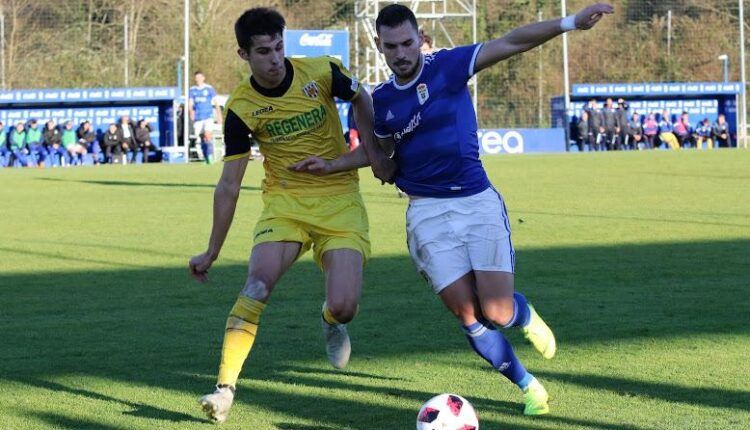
142	324
732	399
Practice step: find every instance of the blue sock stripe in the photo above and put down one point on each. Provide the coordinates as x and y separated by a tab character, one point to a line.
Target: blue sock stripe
525	381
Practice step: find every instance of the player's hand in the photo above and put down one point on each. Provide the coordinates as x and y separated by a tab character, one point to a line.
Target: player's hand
588	17
383	168
199	266
312	165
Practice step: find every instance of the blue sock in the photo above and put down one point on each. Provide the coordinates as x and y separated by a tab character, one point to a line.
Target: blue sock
491	345
521	313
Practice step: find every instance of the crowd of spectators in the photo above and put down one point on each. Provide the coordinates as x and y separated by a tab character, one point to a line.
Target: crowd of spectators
29	144
613	128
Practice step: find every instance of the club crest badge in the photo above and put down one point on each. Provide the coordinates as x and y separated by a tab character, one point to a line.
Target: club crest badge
422	93
311	89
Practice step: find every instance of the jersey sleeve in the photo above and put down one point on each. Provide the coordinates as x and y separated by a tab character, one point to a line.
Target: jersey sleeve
211	95
343	84
379	125
236	137
458	64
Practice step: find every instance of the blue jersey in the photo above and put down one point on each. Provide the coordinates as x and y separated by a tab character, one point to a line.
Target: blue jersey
202	99
433	124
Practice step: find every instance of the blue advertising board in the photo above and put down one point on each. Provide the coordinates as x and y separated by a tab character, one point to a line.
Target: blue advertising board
656	89
521	140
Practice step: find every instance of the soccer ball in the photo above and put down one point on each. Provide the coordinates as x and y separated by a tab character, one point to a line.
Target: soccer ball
447	412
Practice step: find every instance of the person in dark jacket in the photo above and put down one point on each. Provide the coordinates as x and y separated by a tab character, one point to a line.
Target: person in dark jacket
623	133
53	141
127	137
87	138
582	127
610	125
635	134
112	142
143	138
721	132
596	127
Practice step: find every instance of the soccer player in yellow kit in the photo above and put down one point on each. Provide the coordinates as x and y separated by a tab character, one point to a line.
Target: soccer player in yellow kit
288	107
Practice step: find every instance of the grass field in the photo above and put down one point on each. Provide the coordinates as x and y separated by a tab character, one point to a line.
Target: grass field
640	262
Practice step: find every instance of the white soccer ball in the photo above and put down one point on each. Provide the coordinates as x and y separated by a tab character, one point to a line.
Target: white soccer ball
447	412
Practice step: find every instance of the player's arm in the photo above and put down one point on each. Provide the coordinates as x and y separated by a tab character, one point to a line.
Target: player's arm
226	194
532	35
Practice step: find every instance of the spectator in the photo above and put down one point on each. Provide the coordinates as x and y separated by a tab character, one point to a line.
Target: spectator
35	143
635	133
127	138
87	138
4	151
112	142
53	141
582	128
704	133
721	132
427	46
611	129
143	139
205	113
18	148
684	131
69	140
596	127
621	114
666	131
650	130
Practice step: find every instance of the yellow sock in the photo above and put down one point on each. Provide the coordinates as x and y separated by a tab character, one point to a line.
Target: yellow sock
239	335
328	316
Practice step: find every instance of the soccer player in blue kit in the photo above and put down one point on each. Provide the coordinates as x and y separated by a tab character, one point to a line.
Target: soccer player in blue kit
458	229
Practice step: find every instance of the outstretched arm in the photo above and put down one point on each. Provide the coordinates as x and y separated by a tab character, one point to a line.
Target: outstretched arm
532	35
225	201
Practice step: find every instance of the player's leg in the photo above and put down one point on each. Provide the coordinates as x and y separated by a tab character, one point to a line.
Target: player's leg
342	246
207	144
268	262
343	272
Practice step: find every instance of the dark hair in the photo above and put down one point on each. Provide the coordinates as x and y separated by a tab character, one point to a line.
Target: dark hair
255	22
198	72
394	15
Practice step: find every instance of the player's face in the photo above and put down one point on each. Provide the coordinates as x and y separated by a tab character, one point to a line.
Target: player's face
400	46
199	79
266	59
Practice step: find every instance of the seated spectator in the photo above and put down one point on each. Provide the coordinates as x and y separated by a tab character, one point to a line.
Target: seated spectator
635	133
53	142
143	139
35	143
703	133
720	132
87	138
684	131
650	130
127	137
17	144
112	141
666	131
69	140
4	151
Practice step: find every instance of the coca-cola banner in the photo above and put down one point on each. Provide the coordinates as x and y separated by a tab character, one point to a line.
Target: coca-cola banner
313	43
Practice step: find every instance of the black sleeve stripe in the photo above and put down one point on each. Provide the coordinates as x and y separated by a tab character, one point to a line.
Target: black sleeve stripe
236	135
342	84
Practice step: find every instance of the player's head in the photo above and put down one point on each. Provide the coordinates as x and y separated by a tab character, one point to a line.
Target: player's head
259	33
399	39
19	126
721	118
199	78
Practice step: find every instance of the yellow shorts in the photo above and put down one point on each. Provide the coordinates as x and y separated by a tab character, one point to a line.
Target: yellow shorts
321	222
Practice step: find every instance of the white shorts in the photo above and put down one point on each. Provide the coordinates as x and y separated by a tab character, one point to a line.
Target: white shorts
450	237
203	125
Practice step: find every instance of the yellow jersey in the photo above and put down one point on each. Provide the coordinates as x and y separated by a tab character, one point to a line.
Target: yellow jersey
293	121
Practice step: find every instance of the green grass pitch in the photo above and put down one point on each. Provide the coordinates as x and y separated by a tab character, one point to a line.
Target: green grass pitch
640	262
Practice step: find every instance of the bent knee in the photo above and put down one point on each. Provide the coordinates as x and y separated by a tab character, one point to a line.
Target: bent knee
256	289
499	312
342	310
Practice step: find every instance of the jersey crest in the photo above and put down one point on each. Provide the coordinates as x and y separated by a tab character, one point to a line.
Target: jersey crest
311	89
